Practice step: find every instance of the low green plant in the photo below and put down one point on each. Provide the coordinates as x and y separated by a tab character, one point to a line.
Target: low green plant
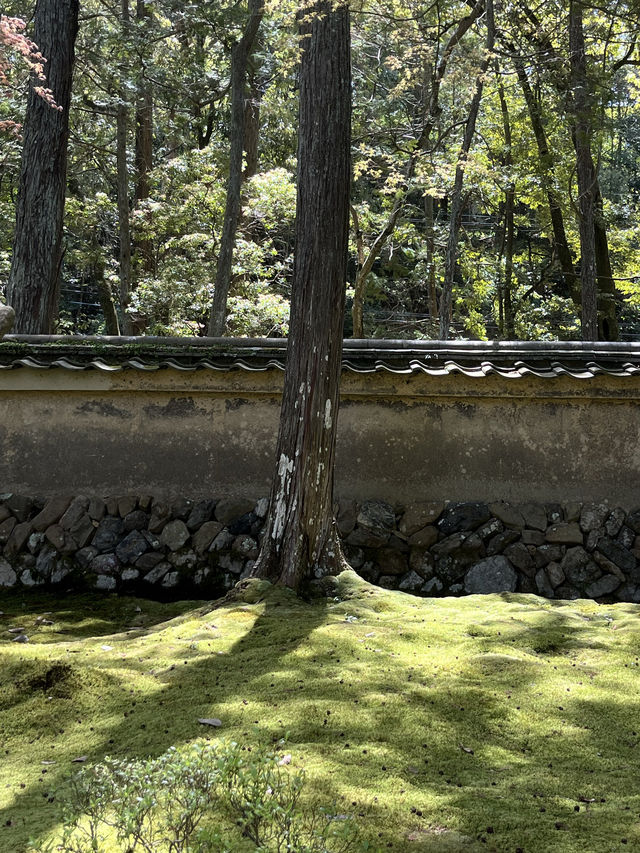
206	798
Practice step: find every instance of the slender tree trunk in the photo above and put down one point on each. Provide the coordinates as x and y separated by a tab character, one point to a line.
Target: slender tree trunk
451	257
252	122
124	226
105	296
430	245
144	141
122	180
608	329
509	209
239	61
582	134
301	540
33	287
560	242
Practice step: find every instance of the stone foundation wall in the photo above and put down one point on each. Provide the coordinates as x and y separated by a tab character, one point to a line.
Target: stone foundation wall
200	548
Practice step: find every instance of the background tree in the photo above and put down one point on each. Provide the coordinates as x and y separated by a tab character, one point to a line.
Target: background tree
34	280
238	137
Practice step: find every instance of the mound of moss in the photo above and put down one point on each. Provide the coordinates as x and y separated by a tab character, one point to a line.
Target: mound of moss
480	723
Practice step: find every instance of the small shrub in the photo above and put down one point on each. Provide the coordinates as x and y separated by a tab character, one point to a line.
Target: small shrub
205	798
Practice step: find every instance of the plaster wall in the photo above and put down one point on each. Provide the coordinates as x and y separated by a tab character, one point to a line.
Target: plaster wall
401	437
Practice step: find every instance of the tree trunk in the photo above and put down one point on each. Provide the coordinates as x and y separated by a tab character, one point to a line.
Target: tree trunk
105	297
124	227
607	321
430	245
144	141
560	242
301	540
509	209
122	179
582	134
33	287
252	124
451	256
239	61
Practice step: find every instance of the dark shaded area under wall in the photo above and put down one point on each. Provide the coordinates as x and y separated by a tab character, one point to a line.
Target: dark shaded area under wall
199	549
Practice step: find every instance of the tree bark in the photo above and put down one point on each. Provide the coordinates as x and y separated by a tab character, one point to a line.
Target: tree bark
301	540
451	256
144	141
430	245
509	209
582	134
122	180
560	242
33	287
124	226
252	123
239	62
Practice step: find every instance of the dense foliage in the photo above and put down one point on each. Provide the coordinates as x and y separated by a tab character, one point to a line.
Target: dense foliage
164	70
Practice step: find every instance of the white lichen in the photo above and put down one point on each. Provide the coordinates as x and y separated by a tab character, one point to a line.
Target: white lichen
327	415
285	468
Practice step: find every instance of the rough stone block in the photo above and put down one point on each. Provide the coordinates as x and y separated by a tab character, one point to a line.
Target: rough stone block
419	515
8	577
228	509
603	586
201	513
74	512
555	574
493	574
174	535
108	534
535	516
507	514
205	536
564	534
593	516
579	568
52	512
424	538
543	584
458	517
18	539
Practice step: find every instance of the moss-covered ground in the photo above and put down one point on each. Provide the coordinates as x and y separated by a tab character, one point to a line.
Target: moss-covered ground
497	723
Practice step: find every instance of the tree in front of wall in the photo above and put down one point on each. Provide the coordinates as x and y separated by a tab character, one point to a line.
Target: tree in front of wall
301	539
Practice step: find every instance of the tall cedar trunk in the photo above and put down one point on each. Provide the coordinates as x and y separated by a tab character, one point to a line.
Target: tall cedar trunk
34	280
607	320
144	140
105	294
451	256
301	540
239	62
509	209
582	133
124	227
252	123
430	245
560	242
122	169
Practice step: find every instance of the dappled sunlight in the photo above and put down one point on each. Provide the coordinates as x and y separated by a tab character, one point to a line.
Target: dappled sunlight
427	720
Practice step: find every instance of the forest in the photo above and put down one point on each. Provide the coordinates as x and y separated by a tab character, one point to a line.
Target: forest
153	156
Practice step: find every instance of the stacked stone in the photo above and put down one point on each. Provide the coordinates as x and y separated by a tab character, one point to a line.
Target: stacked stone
201	548
128	542
558	551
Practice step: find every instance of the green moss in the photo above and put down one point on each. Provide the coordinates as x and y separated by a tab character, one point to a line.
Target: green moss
482	723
